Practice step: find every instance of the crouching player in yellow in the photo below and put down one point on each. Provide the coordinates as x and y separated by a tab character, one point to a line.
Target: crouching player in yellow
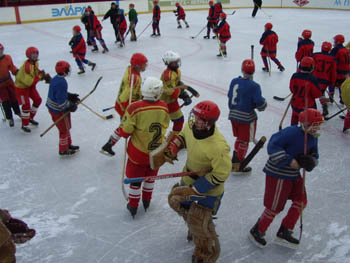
197	198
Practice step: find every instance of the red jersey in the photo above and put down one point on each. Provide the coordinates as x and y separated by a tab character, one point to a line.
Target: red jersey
341	55
218	10
180	13
299	83
269	40
78	46
325	69
156	12
6	65
211	15
305	49
94	23
223	29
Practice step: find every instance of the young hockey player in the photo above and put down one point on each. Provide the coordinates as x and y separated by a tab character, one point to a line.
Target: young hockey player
180	15
78	46
174	89
207	154
218	9
131	80
257	5
27	77
212	20
122	26
305	46
325	72
342	58
113	14
145	122
95	31
223	32
156	19
7	88
132	22
303	84
244	97
59	101
283	179
269	40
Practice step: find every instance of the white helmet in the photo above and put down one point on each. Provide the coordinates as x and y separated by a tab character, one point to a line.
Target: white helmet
171	56
152	89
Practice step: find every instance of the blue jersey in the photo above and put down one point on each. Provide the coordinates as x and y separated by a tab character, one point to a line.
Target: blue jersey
283	147
57	99
244	96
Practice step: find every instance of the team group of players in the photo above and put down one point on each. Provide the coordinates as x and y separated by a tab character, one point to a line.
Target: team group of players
147	108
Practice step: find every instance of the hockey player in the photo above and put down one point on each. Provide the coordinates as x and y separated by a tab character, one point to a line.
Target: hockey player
218	9
95	31
156	19
27	77
180	14
59	101
269	41
345	89
174	89
208	153
342	57
138	64
145	122
122	26
257	5
212	21
113	14
7	88
223	32
305	46
325	72
243	97
132	21
78	46
283	179
304	88
84	19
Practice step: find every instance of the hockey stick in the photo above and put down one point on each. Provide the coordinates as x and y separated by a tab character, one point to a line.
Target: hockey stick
65	114
111	116
284	115
109	108
335	114
234	11
220	50
122	41
145	29
282	99
252	52
126	143
269	62
158	177
199	33
253	152
3	112
339	107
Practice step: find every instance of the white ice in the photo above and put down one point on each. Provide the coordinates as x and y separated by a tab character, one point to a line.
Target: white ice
76	204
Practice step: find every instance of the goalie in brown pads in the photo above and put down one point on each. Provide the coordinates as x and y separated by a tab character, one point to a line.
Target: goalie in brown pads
199	196
12	231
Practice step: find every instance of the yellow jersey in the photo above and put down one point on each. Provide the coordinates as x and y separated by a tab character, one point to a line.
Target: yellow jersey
28	75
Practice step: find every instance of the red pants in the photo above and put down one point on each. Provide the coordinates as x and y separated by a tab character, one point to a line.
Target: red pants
133	171
23	98
8	93
347	120
277	192
245	133
63	127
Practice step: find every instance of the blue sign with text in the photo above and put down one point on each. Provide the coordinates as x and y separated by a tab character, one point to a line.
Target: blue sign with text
68	11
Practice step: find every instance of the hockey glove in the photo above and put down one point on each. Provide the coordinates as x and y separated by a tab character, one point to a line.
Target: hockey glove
306	161
47	78
19	230
185	97
73	97
72	107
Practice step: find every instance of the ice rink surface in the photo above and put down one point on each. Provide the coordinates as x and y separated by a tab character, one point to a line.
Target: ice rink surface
76	204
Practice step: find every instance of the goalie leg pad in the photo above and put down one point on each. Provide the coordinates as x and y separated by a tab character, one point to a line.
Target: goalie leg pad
200	224
175	198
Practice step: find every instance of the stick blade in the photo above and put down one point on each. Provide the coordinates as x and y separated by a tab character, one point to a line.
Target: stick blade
278	98
111	116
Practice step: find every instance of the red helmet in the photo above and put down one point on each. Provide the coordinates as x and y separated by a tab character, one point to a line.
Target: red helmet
31	50
306	34
88	9
311	119
268	26
138	59
248	66
207	111
223	15
339	39
177	4
307	64
326	46
131	5
62	67
1	46
211	2
77	28
155	2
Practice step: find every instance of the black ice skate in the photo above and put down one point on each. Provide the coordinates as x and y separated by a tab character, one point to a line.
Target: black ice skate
66	153
179	26
26	129
324	109
146	204
92	65
153	35
81	71
33	122
107	148
256	237
206	37
132	210
11	123
187	26
105	50
284	237
281	68
95	49
74	147
236	166
265	69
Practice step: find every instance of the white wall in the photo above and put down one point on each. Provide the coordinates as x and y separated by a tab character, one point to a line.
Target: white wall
66	11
